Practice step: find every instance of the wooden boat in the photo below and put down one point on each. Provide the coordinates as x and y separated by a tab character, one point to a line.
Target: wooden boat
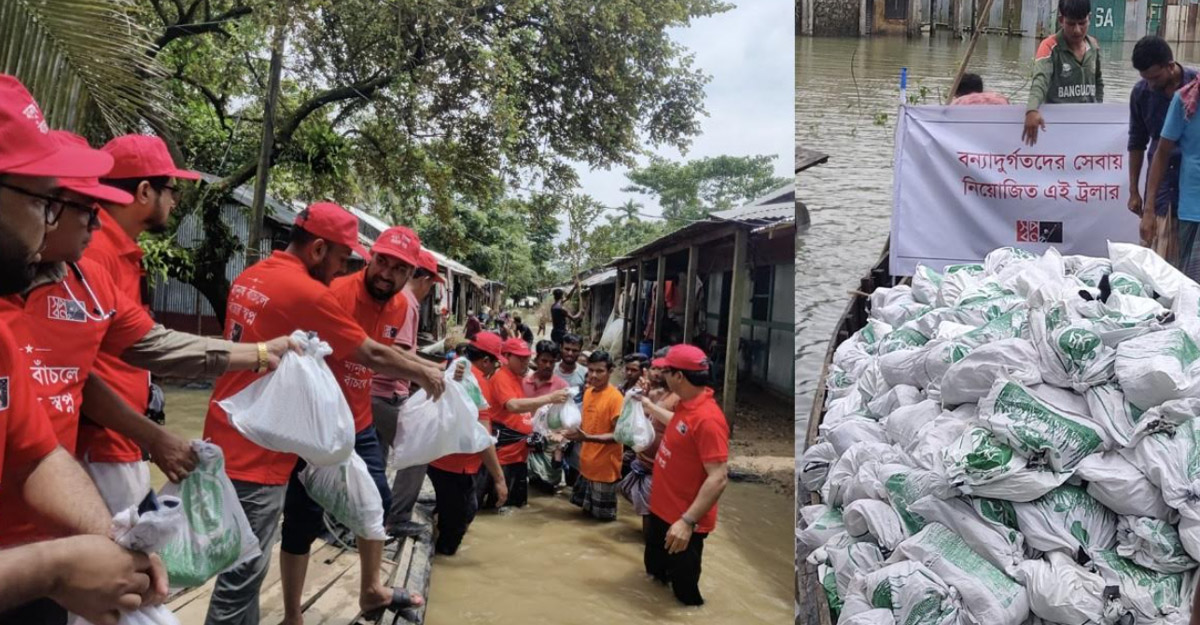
813	606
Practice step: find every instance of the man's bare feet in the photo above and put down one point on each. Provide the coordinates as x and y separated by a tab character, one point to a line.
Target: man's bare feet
382	597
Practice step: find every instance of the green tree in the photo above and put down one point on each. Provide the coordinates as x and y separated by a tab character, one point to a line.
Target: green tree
622	233
423	106
691	190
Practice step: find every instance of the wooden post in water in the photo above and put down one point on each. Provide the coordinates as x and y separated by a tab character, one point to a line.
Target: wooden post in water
660	302
737	295
637	304
689	294
962	67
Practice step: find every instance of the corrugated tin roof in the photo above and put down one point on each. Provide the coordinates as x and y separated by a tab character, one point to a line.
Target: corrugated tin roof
603	277
806	158
278	211
775	207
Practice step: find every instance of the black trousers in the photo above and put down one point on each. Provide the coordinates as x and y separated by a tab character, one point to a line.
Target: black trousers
40	612
680	570
456	507
516	477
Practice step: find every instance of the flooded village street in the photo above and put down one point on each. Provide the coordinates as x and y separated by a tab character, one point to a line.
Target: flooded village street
846	98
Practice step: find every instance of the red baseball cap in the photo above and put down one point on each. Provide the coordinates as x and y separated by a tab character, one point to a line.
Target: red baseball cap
91	186
427	261
143	156
28	149
399	242
516	347
333	223
683	358
490	343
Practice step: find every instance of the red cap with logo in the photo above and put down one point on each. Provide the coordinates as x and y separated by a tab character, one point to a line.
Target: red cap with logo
26	146
333	223
143	156
490	343
399	242
683	358
427	261
516	347
91	186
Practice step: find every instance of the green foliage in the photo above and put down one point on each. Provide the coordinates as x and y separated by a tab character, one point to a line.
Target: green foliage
690	191
164	259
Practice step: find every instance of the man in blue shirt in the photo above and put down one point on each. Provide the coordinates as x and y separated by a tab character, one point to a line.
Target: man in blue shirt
1148	104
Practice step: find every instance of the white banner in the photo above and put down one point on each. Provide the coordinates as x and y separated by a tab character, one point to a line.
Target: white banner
965	183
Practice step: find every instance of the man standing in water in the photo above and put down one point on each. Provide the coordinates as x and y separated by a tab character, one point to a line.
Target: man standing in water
1066	68
690	474
545	465
1148	104
600	453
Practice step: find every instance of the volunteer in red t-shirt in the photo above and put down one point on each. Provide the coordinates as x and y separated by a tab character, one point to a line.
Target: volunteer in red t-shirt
372	298
286	292
72	313
406	484
513	422
142	167
88	573
457	478
689	476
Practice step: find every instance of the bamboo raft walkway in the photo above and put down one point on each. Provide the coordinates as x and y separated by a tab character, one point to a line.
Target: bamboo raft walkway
331	587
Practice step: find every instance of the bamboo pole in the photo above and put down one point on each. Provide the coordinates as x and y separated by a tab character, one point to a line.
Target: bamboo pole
258	206
962	67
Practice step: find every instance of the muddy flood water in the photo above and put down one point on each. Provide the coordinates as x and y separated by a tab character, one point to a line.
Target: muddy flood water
546	563
847	91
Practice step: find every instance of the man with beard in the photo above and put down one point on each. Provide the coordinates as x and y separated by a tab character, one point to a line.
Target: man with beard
71	313
287	291
513	422
143	168
690	474
406	484
370	297
545	465
88	573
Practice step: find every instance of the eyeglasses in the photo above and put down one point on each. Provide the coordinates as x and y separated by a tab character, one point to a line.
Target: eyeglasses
175	192
92	210
52	206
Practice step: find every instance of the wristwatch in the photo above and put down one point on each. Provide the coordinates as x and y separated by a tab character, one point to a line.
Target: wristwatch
263	358
690	522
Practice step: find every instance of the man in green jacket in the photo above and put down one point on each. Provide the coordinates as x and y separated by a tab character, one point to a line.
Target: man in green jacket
1066	67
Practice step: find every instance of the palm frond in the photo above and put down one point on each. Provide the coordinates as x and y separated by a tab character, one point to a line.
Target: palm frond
83	60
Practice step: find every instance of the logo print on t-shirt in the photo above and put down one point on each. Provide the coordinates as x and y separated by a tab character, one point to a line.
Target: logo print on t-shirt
682	427
4	393
62	309
390	332
235	332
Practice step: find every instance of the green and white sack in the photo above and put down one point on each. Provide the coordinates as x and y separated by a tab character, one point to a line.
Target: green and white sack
1001	258
1067	519
1146	265
819	524
971	379
928	448
349	494
988	594
1011	325
1061	591
914	594
904	423
875	521
1153	544
906	485
1151	595
815	464
1112	412
1072	356
218	537
849	558
1158	367
1000	544
980	464
925	284
1121	487
847	466
1050	428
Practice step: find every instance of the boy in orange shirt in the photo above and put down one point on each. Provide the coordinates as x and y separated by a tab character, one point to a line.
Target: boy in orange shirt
600	456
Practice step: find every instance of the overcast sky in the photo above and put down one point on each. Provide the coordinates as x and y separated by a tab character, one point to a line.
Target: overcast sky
749	53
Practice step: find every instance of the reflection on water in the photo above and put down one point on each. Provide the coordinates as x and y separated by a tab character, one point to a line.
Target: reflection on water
844	87
547	563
